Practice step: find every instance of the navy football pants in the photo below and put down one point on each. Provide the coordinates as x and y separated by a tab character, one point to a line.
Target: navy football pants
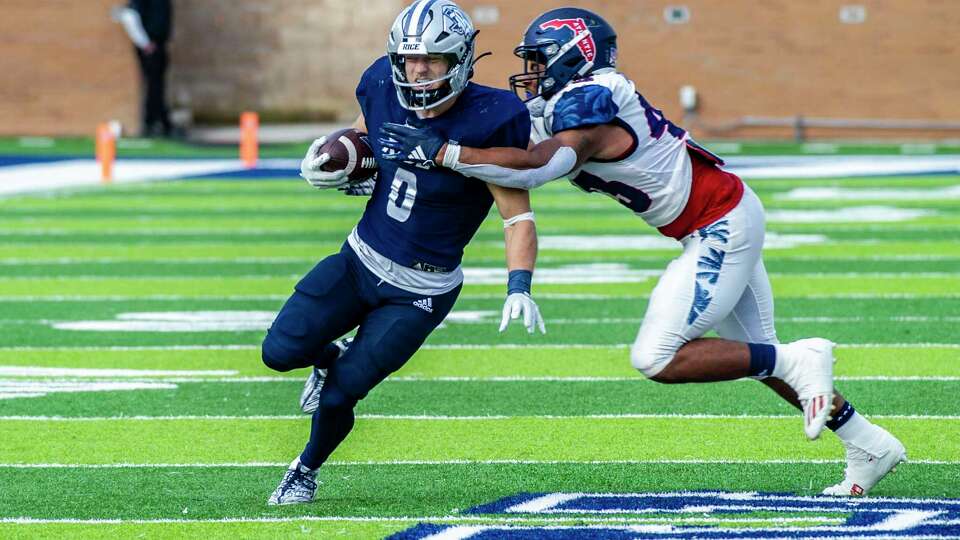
338	295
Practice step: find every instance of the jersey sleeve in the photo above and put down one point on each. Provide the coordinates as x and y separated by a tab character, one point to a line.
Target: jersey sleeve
514	132
588	105
373	77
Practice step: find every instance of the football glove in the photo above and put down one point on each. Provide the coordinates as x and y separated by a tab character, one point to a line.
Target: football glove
521	303
361	188
311	168
417	146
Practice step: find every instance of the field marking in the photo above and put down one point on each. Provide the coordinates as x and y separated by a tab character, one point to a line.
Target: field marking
472	296
31	371
246	321
573	274
404	519
249	347
403	463
136	376
448	418
312	260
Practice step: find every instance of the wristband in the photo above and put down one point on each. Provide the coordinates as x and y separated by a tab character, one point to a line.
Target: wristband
519	281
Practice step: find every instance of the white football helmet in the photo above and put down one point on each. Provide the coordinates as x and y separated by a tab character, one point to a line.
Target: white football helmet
431	27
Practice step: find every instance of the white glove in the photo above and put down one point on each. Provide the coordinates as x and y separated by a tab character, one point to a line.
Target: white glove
518	303
361	188
311	168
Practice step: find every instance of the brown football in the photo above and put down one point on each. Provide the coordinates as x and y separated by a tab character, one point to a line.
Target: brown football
350	151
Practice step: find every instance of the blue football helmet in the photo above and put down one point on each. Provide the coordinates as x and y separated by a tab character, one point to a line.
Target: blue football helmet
566	44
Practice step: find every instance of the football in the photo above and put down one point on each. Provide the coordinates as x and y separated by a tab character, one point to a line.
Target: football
350	151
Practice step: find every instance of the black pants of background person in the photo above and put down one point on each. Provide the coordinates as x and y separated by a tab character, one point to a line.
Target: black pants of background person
153	68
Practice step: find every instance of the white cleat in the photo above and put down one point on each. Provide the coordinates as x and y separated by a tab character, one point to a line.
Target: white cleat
310	396
810	373
865	469
299	485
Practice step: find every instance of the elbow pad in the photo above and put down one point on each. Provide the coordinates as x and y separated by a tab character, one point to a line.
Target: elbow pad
562	163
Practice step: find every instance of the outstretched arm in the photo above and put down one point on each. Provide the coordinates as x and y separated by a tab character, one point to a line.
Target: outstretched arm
502	166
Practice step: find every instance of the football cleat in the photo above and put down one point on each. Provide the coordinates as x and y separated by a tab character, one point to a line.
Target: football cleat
299	485
809	371
865	469
310	397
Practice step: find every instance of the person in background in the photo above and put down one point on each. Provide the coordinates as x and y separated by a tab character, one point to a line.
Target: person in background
148	23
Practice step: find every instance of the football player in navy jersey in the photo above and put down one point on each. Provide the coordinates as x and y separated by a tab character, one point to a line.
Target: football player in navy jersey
398	274
593	127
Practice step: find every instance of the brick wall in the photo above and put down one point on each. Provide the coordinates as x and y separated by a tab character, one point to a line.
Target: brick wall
302	58
64	67
771	58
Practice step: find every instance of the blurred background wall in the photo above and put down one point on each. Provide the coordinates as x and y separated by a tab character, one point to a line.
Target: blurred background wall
67	66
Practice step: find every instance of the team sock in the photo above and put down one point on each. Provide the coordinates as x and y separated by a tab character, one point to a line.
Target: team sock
763	359
843	415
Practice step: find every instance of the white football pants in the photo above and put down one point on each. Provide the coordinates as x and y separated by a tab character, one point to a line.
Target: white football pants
718	282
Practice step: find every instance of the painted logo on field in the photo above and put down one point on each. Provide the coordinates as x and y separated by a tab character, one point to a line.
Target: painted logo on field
701	514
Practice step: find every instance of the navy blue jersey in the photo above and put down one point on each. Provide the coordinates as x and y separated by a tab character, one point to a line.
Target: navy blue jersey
424	218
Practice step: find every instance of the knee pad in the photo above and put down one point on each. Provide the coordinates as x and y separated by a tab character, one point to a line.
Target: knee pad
283	347
274	356
649	360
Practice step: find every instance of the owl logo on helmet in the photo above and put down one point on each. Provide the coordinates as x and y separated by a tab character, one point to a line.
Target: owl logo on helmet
431	27
561	46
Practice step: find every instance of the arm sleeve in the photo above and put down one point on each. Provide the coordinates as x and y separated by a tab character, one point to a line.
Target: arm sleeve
562	163
583	106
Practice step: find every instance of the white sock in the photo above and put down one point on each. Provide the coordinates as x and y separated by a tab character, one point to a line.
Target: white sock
783	364
860	432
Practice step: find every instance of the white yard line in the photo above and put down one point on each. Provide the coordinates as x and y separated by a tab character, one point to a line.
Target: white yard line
549	276
492	296
445	418
255	464
549	346
138	376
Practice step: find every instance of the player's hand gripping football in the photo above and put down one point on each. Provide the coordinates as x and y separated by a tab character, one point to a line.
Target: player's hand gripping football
416	146
311	168
518	304
363	188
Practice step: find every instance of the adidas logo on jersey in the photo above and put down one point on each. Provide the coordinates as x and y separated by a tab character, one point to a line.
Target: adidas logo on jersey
426	304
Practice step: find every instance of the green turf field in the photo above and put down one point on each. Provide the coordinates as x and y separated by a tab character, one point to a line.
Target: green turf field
133	401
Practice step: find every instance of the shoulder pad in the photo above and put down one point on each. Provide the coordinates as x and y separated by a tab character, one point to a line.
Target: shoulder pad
587	105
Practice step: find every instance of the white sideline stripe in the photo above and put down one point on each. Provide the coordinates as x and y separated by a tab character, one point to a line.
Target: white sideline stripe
245	347
312	260
145	377
30	371
494	296
253	464
493	276
446	418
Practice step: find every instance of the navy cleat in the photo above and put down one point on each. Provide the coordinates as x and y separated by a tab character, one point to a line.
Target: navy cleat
298	486
310	397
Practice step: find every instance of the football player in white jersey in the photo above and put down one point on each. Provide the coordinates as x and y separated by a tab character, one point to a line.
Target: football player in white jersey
593	127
